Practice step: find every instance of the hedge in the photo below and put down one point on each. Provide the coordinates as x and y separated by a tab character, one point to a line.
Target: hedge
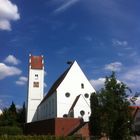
10	130
21	137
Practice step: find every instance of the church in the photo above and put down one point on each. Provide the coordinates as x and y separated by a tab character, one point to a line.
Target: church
68	99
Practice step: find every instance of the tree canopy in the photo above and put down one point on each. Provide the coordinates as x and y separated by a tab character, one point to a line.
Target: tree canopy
110	112
13	116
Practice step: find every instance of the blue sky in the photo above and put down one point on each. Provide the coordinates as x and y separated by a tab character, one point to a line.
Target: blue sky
102	35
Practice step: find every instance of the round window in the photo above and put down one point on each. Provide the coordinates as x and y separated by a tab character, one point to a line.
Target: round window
82	112
86	95
67	94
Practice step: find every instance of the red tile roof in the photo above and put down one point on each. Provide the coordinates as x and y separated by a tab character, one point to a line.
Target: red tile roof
36	62
134	110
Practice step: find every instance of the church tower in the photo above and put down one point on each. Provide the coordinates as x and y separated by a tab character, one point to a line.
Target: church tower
35	86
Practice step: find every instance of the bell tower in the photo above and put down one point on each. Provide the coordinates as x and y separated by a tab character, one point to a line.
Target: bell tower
35	86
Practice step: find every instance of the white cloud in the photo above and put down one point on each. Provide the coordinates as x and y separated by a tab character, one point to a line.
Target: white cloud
18	106
8	12
1	103
117	42
0	111
6	71
115	66
132	74
22	80
3	100
98	83
66	4
11	59
5	25
131	77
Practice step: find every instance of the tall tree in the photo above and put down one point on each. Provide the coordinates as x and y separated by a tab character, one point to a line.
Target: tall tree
112	107
12	114
21	115
12	108
95	116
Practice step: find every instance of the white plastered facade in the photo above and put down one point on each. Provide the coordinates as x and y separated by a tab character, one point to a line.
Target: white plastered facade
58	104
35	94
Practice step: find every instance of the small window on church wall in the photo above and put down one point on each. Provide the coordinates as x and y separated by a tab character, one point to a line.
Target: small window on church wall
36	76
36	84
82	85
67	94
86	95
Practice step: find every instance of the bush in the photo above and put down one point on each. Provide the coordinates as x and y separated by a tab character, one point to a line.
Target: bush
21	137
7	130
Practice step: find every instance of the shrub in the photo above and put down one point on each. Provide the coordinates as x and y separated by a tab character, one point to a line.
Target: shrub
22	137
7	130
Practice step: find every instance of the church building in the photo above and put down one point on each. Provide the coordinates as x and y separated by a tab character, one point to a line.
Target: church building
69	96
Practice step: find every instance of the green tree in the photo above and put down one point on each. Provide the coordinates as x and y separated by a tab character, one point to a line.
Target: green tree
113	112
12	120
9	116
12	108
21	114
12	116
95	116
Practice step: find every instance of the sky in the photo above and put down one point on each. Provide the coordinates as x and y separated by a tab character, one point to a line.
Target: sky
101	35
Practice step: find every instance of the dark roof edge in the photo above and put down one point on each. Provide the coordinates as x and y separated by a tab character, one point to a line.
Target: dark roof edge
74	103
77	128
56	83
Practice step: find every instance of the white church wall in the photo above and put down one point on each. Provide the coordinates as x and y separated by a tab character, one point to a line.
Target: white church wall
82	109
32	113
48	108
63	103
52	108
72	84
35	94
59	103
35	91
